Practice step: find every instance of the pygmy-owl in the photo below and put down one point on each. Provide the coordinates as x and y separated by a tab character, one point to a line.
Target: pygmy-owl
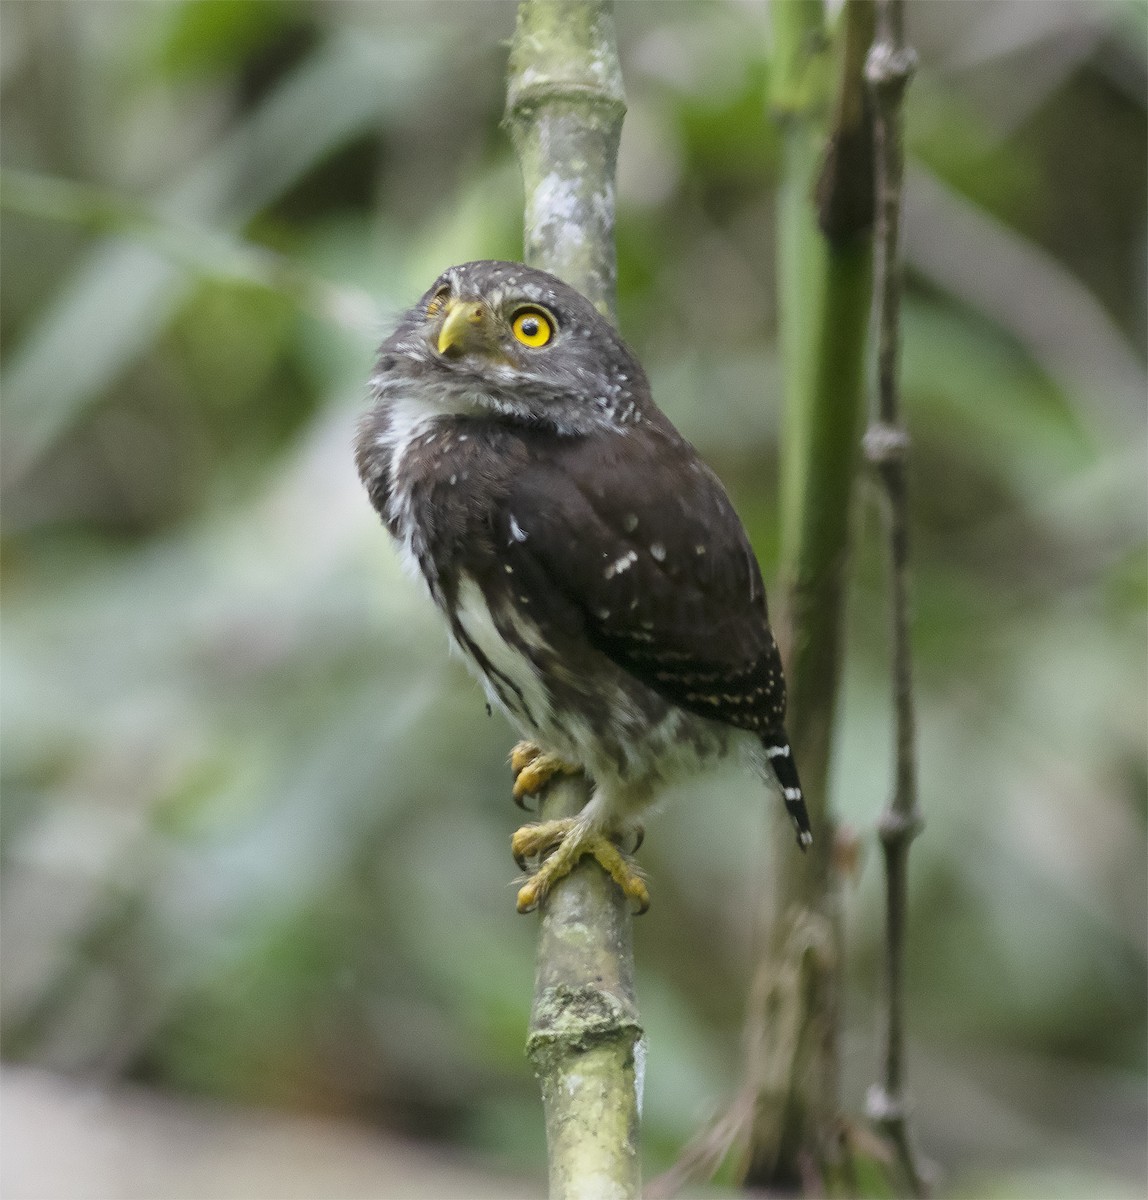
591	568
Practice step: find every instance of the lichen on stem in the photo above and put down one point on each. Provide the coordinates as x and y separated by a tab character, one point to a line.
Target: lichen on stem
564	111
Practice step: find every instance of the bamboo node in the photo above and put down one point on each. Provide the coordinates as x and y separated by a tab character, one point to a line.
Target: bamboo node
884	443
888	69
896	826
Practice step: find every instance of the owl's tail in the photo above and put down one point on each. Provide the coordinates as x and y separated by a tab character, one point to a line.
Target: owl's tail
780	756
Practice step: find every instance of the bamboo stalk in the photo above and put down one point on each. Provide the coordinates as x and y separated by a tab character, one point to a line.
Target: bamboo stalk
564	110
824	299
888	69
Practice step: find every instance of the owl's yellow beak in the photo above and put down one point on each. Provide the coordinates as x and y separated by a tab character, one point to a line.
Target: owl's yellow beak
466	327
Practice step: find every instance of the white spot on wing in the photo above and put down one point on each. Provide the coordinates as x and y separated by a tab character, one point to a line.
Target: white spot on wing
621	564
658	552
516	530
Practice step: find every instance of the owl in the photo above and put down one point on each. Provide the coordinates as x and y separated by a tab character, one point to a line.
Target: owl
591	570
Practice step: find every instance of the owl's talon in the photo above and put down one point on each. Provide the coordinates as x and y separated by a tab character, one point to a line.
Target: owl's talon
639	838
640	894
533	769
522	754
539	838
528	897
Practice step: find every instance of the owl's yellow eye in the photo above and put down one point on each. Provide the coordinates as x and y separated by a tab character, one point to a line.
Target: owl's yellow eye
532	327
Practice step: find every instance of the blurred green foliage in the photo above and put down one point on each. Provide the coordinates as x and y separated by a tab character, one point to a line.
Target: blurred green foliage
255	820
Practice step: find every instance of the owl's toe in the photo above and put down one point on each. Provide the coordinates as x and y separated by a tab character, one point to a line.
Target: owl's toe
533	769
522	754
566	843
533	841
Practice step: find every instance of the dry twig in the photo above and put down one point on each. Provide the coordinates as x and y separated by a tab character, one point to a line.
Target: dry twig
888	69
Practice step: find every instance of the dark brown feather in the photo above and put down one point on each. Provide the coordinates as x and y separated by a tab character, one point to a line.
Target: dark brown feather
662	577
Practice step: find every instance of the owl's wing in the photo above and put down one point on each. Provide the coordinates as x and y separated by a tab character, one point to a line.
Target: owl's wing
633	538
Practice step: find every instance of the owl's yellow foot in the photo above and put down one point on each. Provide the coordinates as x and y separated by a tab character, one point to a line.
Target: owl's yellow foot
533	769
567	842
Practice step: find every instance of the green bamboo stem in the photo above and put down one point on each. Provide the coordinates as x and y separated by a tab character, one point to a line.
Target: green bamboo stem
564	110
824	298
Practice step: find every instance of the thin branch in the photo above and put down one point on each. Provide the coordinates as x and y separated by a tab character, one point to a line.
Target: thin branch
888	70
564	110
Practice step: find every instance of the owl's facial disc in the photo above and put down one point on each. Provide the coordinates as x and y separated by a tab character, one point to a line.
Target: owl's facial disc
494	328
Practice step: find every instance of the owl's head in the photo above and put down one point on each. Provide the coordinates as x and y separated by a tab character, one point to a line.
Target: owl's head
501	338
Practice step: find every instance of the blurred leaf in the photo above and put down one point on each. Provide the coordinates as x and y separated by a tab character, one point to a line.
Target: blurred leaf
123	294
199	36
971	157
